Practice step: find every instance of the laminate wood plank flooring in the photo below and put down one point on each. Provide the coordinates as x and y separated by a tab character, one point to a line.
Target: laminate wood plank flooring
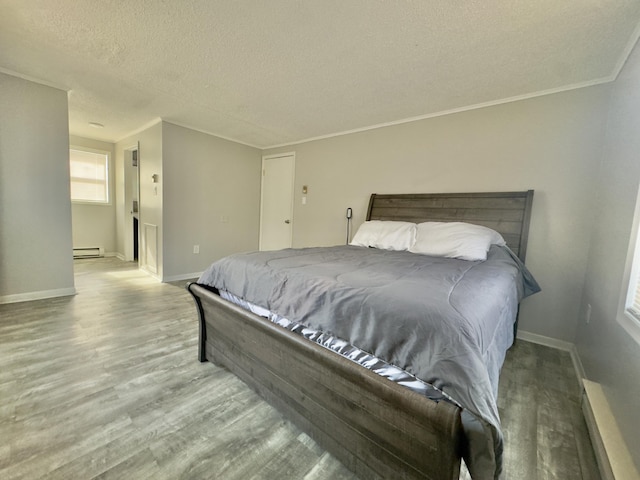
106	384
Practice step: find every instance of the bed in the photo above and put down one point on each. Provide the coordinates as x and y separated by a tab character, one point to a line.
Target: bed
374	424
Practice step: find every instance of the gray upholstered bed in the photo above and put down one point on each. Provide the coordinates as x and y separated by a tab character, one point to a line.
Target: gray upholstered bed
377	427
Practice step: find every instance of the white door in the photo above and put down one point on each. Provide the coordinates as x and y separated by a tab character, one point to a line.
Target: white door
276	203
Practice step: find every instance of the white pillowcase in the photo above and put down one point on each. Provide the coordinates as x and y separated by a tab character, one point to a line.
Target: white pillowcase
455	240
385	234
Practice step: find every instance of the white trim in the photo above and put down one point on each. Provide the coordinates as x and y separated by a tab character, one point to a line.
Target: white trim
147	125
149	244
229	139
442	113
560	345
153	275
631	272
183	125
119	256
93	204
630	325
29	78
614	459
278	155
611	78
184	276
82	148
40	295
624	56
546	341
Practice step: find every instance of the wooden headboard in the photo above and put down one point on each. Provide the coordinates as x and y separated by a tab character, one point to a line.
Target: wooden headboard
508	213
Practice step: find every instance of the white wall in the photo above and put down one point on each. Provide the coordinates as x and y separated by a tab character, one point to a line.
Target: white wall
609	354
36	257
211	199
95	225
551	144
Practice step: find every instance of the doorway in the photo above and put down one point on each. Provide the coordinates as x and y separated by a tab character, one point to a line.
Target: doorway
134	204
276	201
132	220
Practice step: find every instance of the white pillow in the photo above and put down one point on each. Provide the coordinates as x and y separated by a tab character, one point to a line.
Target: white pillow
455	240
386	235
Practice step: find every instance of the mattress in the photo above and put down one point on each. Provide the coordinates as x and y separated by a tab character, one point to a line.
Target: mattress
446	323
345	349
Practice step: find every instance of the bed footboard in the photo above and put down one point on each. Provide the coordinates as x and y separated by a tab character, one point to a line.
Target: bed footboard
377	428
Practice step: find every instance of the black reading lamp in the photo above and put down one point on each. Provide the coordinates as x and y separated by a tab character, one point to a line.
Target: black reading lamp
349	215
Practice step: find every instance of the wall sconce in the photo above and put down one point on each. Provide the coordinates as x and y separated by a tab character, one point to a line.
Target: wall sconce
154	178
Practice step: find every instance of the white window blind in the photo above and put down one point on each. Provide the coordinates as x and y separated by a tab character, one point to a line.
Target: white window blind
89	173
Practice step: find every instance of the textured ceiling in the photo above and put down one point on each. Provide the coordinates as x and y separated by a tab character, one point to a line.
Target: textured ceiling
273	72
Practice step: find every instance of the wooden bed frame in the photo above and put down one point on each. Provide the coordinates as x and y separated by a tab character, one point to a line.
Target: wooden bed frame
377	428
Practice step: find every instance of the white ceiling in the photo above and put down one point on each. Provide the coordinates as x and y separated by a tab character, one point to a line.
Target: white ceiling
273	72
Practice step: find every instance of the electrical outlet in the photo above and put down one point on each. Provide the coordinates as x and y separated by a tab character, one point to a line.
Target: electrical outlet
587	314
196	249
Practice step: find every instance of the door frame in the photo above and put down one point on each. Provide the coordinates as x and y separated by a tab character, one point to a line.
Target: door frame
293	181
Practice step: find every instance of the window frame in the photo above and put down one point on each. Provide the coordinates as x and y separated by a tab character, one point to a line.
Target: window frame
631	279
107	154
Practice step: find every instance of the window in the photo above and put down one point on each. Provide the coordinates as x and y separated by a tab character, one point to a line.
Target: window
629	314
89	171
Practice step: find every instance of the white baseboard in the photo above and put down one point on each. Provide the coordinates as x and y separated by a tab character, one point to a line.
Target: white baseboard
147	271
614	459
547	341
185	276
560	345
40	295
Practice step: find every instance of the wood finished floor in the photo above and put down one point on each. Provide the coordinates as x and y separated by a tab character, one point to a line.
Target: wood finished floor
106	384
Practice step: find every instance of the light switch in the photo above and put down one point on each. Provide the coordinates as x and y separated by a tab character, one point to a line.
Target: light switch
304	189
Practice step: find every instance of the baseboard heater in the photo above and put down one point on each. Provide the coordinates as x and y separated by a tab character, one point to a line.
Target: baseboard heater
88	252
612	454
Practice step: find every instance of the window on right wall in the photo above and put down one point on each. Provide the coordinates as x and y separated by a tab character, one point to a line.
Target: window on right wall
629	311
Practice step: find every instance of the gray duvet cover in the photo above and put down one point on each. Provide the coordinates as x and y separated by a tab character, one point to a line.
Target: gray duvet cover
447	322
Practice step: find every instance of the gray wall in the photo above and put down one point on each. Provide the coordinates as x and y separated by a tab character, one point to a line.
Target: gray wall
582	215
208	194
35	207
551	144
95	225
211	199
609	354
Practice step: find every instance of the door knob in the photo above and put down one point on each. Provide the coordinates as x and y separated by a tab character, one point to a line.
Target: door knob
287	221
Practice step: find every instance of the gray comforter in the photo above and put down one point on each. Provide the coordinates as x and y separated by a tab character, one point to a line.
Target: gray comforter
448	322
